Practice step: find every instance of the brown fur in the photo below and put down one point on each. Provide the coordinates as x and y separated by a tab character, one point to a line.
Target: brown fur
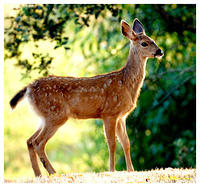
110	97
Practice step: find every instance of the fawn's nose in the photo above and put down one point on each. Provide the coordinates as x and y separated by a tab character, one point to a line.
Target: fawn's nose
159	52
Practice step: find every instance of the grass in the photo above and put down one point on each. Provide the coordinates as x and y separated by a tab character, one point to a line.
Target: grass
168	175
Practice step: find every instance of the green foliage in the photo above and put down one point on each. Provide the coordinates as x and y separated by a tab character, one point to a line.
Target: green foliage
47	22
84	40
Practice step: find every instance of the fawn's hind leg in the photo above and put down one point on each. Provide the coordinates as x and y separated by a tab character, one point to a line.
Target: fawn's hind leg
40	141
32	154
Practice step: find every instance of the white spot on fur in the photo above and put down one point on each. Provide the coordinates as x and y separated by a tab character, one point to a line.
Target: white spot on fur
104	85
118	105
115	98
109	82
52	107
120	83
92	89
84	90
106	105
81	89
69	88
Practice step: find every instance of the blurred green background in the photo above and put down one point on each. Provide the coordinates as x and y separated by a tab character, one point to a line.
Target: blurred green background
85	40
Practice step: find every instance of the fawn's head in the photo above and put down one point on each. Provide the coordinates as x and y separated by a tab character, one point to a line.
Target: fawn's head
140	42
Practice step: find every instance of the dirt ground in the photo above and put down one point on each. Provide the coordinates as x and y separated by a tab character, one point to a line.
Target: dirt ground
168	175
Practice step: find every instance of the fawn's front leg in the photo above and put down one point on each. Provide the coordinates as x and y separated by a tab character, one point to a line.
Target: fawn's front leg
110	128
124	140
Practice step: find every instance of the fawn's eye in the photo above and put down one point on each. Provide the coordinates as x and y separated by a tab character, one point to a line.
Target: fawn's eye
144	44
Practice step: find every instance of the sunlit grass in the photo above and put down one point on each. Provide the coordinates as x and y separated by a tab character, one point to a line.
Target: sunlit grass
168	175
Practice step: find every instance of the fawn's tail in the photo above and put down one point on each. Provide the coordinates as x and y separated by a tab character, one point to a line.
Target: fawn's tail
18	97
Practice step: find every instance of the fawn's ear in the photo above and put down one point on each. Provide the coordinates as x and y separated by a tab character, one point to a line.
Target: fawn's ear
127	30
138	27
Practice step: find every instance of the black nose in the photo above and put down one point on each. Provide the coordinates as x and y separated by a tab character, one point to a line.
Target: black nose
159	52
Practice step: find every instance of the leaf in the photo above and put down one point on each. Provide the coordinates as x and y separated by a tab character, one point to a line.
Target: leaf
57	46
66	48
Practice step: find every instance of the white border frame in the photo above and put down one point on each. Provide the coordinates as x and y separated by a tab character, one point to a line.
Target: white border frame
98	2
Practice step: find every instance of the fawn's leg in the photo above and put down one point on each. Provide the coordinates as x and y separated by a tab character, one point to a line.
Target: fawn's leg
124	140
32	154
110	126
39	144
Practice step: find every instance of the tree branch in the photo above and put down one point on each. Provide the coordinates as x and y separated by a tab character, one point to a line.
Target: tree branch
171	92
181	72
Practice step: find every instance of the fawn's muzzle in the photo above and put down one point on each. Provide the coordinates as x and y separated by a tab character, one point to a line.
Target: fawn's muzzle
159	52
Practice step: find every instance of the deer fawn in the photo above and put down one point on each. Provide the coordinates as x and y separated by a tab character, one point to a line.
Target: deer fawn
110	97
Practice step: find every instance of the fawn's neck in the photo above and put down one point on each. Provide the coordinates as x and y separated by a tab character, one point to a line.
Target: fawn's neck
134	73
